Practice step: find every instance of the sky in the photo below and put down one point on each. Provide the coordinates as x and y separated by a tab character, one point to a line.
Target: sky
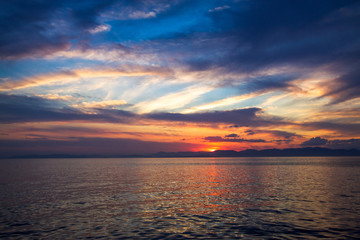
142	76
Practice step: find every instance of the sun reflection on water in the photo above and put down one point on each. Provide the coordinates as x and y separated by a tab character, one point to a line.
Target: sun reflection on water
182	198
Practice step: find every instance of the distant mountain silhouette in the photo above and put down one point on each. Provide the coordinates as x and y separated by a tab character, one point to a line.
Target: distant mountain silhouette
287	152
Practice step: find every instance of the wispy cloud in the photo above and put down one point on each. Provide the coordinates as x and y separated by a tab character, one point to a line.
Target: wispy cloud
221	103
219	8
142	15
100	28
101	104
56	97
172	101
67	76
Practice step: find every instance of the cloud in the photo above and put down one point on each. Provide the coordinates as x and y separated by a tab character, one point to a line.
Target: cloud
141	15
48	26
262	55
56	97
277	133
344	128
269	82
100	28
248	132
336	143
172	100
89	146
67	76
102	104
345	87
221	103
136	10
64	131
19	108
316	141
219	8
113	52
241	117
232	135
220	139
251	39
247	38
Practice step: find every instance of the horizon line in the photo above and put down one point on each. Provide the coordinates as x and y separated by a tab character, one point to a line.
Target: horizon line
273	152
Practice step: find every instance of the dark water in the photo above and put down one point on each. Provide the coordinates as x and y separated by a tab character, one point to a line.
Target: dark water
174	198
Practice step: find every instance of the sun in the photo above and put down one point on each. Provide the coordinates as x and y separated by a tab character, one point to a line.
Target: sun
212	149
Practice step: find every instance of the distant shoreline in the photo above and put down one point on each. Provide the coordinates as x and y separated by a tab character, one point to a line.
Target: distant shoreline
287	152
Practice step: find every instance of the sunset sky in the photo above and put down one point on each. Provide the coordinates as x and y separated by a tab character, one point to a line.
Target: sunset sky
136	77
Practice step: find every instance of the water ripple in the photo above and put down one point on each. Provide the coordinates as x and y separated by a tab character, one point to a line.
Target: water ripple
180	199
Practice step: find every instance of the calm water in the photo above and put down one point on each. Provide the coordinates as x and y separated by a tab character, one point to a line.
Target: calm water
179	198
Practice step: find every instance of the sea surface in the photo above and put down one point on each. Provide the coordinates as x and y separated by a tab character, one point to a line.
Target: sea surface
180	198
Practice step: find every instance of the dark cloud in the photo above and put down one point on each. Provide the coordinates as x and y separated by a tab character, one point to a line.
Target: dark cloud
232	135
285	137
241	117
283	134
254	36
277	133
88	146
281	141
85	14
231	138
344	128
273	82
16	108
221	139
337	143
277	32
263	33
76	131
41	27
19	108
316	141
249	132
23	27
346	86
262	83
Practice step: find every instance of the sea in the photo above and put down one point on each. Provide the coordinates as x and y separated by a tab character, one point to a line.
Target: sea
180	198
